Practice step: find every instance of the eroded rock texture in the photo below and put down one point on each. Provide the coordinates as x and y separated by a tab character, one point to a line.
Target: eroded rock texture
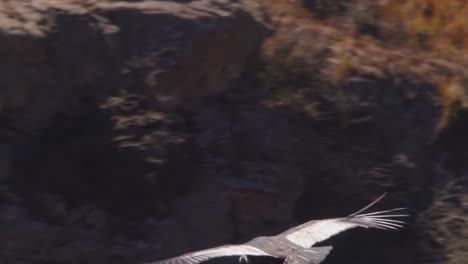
99	132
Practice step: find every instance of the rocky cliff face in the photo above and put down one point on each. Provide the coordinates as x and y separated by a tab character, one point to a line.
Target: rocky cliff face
98	129
137	130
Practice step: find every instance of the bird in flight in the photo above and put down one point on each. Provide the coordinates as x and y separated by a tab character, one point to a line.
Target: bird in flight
294	245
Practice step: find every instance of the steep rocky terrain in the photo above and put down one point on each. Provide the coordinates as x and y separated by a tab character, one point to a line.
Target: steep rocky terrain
137	130
102	154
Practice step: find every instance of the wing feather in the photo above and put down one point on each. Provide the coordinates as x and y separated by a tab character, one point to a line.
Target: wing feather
222	251
312	232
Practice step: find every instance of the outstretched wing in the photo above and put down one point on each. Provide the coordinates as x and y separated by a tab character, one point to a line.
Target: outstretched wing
222	251
314	231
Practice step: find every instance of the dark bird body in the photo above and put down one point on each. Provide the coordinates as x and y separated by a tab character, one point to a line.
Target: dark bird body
275	246
279	247
294	245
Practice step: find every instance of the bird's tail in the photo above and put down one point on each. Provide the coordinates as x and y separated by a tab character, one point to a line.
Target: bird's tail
313	255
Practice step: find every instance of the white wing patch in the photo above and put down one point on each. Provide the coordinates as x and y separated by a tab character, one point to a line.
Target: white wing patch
231	250
223	251
308	234
318	231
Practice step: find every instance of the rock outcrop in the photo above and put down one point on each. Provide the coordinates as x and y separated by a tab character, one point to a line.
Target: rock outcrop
96	130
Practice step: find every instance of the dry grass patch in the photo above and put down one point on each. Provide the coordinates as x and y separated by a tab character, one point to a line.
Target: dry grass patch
441	26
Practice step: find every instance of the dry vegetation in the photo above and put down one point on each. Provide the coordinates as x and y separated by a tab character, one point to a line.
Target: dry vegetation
318	47
425	40
440	26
